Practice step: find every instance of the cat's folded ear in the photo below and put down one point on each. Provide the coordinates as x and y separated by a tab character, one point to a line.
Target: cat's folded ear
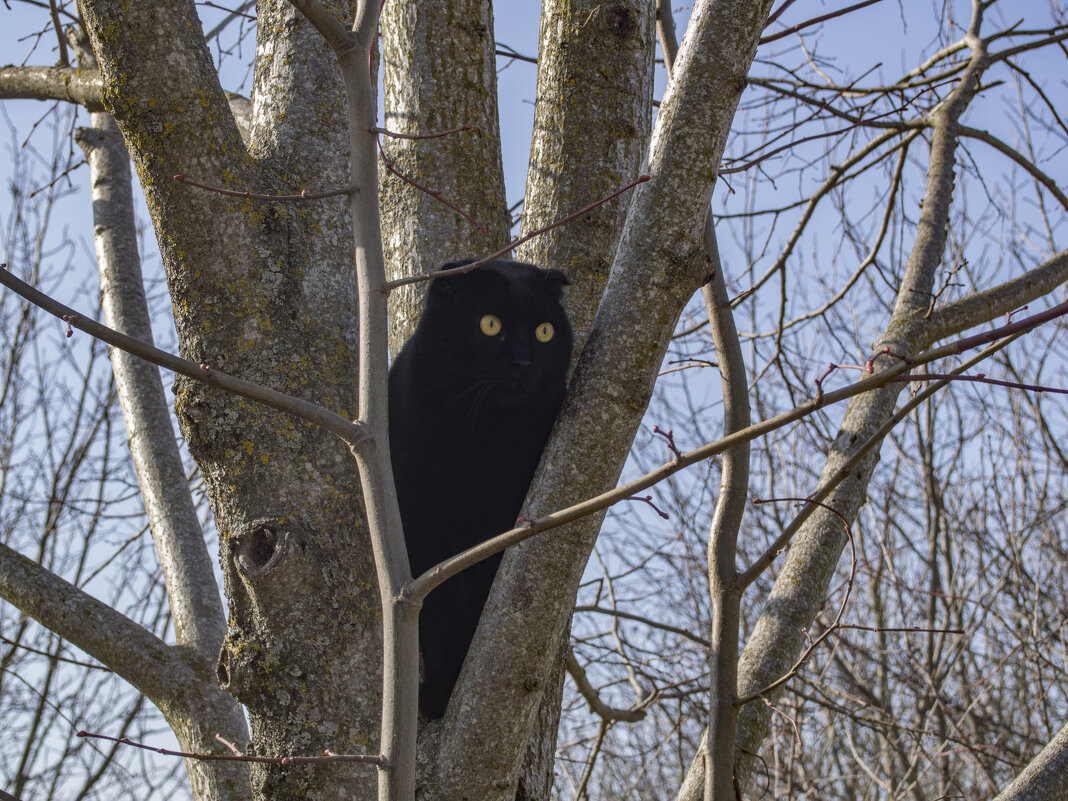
554	280
556	277
447	285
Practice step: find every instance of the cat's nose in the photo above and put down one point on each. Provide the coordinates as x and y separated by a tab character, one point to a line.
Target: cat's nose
522	356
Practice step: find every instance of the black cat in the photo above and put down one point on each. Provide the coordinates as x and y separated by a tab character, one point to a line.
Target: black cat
472	398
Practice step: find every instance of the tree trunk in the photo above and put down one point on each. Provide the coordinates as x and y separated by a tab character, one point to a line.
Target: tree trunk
276	306
439	73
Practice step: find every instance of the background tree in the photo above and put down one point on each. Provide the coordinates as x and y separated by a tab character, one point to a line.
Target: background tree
937	226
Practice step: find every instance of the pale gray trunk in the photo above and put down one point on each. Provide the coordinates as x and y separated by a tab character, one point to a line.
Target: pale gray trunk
195	604
1046	776
591	130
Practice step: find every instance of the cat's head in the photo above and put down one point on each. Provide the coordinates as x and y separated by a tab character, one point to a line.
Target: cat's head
503	328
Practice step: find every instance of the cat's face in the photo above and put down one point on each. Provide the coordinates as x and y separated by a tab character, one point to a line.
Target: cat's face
499	331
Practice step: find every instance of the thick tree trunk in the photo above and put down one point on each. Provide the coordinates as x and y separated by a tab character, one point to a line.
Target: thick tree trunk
265	291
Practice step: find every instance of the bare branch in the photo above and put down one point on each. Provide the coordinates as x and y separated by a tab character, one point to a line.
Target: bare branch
131	651
1000	300
597	706
771	37
365	759
192	592
1045	777
352	433
80	86
1028	166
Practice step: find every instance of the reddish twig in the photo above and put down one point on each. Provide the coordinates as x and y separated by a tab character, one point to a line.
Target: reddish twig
742	296
304	193
1008	317
434	193
868	368
232	746
395	135
474	265
649	500
920	629
670	437
237	756
792	720
980	378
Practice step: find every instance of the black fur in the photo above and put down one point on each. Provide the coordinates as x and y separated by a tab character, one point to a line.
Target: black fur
469	414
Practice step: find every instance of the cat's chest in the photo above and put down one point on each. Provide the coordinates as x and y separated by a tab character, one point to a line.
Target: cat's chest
486	439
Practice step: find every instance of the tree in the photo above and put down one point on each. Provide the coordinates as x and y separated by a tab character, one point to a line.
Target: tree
281	385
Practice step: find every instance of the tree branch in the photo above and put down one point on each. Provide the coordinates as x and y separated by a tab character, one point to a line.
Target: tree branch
1028	166
131	651
597	706
352	433
81	86
1045	777
1000	300
192	592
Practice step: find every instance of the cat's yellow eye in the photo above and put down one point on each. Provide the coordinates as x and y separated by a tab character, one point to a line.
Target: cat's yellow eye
544	332
490	325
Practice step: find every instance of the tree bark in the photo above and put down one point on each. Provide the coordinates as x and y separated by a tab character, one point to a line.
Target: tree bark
192	593
591	128
275	305
1046	777
439	73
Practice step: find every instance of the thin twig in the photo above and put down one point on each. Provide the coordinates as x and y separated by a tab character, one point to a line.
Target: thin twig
414	279
304	193
771	37
367	759
434	193
435	135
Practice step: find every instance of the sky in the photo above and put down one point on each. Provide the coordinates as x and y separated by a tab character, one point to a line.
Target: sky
516	25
